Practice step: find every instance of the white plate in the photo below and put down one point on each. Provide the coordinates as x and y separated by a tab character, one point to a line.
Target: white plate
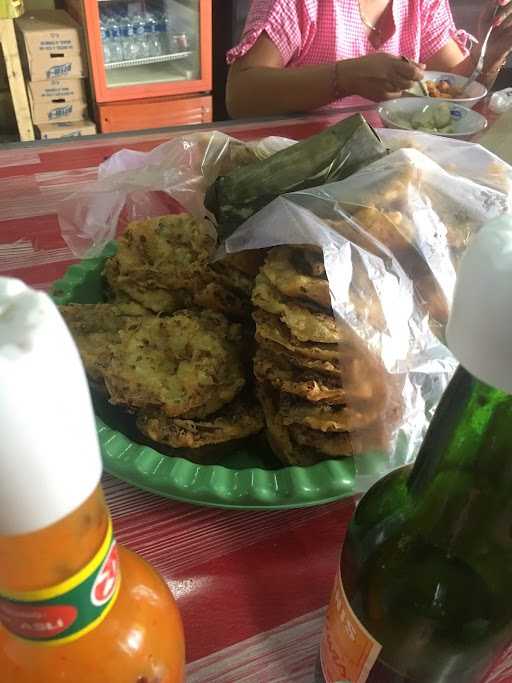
465	121
476	91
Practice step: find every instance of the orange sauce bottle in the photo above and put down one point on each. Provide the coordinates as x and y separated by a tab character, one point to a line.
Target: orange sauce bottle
74	606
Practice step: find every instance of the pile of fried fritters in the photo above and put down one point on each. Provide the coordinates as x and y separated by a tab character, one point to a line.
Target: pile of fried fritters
168	346
174	345
323	394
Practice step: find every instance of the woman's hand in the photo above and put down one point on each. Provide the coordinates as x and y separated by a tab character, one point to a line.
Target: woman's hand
377	76
500	41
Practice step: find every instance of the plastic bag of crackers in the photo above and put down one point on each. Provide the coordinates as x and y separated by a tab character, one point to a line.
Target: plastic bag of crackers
350	307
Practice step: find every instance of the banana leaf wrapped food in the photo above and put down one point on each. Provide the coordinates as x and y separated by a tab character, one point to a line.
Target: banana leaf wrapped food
331	155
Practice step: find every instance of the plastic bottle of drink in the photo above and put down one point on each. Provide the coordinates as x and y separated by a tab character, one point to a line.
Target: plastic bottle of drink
116	46
163	32
74	606
139	30
131	49
423	591
152	35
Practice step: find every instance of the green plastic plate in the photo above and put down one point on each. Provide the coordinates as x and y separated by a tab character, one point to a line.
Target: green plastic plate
249	477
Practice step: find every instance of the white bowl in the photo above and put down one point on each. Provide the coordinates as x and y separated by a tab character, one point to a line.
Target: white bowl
476	91
466	122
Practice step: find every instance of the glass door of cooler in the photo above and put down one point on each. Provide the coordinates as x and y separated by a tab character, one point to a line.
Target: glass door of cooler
148	48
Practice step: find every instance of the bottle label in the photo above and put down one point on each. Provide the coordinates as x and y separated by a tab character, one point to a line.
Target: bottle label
347	652
64	613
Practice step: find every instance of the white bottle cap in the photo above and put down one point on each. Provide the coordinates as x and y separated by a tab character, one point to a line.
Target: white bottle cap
49	454
479	331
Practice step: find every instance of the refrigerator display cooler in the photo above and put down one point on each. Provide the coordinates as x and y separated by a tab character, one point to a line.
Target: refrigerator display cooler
151	61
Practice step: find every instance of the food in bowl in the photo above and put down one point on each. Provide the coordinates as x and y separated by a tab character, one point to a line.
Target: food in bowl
447	86
432	118
443	89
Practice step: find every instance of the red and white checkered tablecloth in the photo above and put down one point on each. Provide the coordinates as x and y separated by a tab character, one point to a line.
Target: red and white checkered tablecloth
251	586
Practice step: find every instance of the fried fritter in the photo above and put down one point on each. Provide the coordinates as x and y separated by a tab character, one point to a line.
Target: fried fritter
154	299
95	329
396	232
392	188
270	328
301	445
179	363
305	323
391	228
237	420
163	264
228	276
174	249
277	434
333	368
310	260
215	297
280	269
327	418
247	262
284	376
341	444
358	382
168	253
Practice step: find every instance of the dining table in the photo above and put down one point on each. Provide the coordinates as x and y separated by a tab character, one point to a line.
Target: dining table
252	585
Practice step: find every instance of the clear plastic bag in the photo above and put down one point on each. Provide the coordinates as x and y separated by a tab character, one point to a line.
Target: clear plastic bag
501	101
133	185
391	236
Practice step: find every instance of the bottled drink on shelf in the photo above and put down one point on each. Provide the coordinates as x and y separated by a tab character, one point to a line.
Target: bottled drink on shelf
74	606
130	45
139	30
116	44
152	36
163	32
423	590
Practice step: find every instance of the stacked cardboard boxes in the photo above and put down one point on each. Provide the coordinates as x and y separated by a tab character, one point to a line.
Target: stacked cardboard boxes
55	67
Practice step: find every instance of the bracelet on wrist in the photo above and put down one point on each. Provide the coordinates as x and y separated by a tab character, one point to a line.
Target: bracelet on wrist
336	90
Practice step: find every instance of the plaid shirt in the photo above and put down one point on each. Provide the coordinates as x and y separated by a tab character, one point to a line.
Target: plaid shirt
324	31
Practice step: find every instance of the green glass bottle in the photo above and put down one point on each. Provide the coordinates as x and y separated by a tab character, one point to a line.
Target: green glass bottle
424	593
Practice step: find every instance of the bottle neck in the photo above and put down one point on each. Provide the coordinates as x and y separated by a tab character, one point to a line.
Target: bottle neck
469	432
54	554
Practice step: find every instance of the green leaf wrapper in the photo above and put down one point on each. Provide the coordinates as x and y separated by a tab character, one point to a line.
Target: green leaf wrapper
331	155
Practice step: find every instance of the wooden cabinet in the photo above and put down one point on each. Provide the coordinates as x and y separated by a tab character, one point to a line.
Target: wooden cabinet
157	112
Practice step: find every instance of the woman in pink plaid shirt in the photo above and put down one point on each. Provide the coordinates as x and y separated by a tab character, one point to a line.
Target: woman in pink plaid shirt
300	55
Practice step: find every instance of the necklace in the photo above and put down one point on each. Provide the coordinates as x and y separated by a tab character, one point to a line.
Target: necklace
365	20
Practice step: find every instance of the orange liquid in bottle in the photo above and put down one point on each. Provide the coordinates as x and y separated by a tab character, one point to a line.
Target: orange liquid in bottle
139	641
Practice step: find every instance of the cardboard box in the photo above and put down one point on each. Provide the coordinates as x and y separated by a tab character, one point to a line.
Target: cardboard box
52	131
46	111
57	90
59	99
51	45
